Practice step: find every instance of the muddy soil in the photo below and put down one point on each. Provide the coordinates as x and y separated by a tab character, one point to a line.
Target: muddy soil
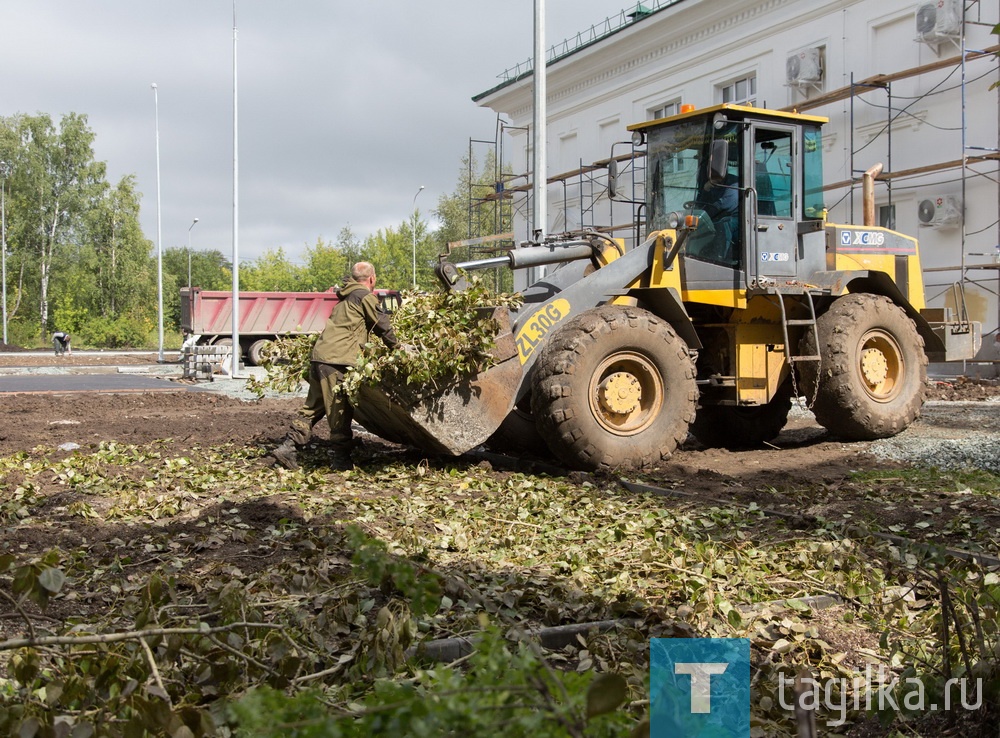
185	419
802	452
12	358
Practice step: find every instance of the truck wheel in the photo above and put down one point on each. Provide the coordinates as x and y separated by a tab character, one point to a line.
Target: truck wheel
254	356
614	389
733	427
873	369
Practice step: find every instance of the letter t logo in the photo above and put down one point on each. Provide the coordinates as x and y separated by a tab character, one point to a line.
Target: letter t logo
701	683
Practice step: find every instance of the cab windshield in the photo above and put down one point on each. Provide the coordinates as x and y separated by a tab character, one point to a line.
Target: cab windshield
678	182
674	156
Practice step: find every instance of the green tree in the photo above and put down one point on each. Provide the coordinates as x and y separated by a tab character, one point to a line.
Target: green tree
326	266
123	278
54	182
473	211
348	244
272	271
390	250
210	270
426	251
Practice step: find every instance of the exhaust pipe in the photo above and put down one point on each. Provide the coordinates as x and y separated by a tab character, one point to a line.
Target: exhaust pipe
868	194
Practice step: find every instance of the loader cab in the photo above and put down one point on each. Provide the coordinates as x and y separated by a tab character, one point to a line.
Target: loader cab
752	179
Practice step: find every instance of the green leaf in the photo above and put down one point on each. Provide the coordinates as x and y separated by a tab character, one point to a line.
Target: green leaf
605	694
797	604
52	580
82	730
29	728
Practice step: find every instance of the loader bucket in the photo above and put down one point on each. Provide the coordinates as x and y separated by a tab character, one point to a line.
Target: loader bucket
456	418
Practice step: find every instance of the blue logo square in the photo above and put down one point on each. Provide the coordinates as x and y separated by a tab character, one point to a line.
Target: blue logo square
699	687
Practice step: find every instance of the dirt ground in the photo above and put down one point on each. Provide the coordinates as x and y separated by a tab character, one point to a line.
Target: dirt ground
11	358
201	419
804	471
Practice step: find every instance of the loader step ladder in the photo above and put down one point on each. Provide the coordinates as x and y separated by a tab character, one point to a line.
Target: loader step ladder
790	356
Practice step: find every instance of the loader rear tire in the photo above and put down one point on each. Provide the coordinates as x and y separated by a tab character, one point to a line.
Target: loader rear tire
614	389
732	427
872	371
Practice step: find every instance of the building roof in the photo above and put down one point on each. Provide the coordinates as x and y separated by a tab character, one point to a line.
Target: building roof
594	35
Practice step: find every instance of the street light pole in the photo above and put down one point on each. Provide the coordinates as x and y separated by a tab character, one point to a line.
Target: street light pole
237	350
5	173
189	251
414	229
159	230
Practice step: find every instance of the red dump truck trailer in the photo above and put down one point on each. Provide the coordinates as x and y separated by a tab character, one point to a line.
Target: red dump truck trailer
207	316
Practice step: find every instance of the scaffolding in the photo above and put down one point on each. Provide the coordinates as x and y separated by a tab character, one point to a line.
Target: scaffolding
585	188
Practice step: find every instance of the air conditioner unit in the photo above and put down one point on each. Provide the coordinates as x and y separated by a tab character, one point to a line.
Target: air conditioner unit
805	68
943	211
939	20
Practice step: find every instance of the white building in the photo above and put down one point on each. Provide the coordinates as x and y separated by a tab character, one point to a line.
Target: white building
903	82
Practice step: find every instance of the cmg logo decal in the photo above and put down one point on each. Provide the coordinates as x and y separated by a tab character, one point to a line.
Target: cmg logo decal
862	238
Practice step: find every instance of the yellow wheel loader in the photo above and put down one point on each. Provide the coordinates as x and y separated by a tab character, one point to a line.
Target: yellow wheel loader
741	298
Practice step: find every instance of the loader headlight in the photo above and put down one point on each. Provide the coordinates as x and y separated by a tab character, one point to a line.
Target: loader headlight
673	220
638	139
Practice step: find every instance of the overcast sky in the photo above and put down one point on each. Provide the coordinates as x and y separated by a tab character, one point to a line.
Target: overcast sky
345	107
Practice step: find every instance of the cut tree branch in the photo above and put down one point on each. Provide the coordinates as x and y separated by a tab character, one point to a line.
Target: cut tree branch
131	635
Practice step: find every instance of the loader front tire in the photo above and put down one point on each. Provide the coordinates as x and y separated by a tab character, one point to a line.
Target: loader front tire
614	389
518	433
872	370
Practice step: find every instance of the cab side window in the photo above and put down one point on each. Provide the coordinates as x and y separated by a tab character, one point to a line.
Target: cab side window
773	173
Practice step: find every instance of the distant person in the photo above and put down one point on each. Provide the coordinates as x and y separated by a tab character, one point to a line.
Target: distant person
354	318
60	342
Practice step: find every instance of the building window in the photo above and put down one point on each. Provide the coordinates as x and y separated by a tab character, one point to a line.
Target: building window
666	110
740	92
887	216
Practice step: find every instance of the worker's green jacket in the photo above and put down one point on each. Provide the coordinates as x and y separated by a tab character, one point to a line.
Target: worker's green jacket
357	315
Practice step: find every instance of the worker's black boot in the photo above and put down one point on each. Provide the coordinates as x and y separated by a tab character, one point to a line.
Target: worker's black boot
286	455
341	461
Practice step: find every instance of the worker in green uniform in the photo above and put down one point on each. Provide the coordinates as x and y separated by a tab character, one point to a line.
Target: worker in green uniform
355	317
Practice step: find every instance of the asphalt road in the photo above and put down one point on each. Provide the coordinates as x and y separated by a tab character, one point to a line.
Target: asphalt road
61	383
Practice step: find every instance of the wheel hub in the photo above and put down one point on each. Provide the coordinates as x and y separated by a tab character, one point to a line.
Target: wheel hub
620	393
874	367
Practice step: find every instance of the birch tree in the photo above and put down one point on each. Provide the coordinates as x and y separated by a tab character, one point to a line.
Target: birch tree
55	181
